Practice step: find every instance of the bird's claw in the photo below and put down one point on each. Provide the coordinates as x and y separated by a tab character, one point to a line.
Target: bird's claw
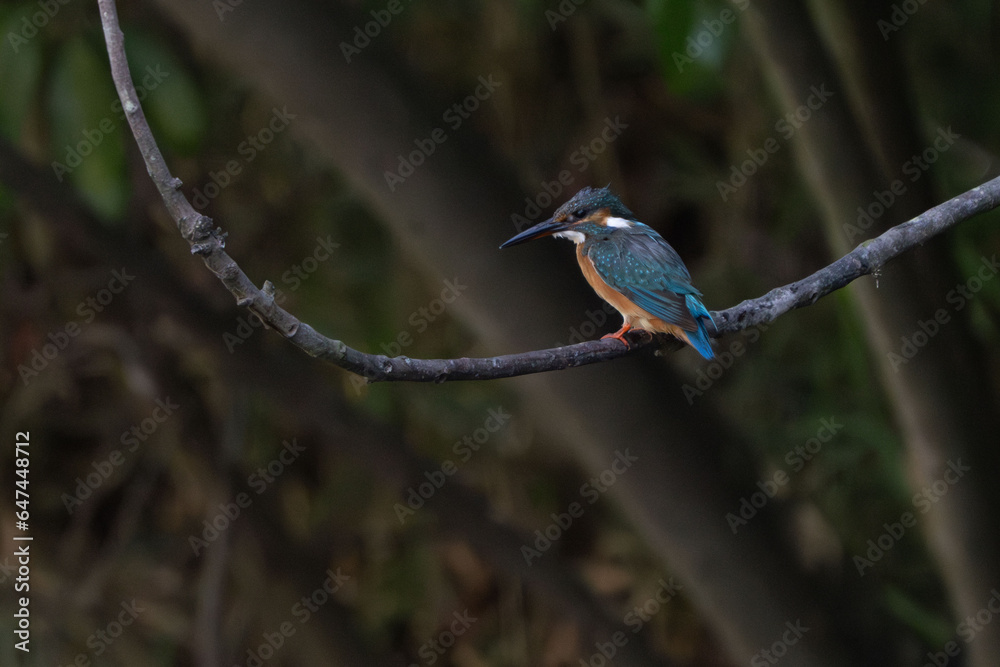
620	335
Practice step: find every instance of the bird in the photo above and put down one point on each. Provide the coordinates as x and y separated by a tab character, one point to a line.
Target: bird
630	266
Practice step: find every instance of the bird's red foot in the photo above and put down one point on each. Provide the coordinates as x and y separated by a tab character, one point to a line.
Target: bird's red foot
620	334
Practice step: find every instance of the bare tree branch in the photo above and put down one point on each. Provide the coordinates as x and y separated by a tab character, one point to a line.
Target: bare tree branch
209	242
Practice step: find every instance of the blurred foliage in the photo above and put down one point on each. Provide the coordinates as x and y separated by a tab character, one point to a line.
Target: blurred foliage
695	120
18	78
81	100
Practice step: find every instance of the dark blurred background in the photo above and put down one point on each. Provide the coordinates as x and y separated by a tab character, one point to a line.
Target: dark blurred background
204	494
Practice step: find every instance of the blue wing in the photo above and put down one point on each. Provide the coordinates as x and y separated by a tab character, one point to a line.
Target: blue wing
641	265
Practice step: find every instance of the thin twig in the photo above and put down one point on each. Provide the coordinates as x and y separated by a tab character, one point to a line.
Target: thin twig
208	241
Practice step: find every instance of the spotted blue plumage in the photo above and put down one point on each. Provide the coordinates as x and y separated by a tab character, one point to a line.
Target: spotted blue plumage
640	264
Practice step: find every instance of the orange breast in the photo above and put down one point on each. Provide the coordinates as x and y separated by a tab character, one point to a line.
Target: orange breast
633	314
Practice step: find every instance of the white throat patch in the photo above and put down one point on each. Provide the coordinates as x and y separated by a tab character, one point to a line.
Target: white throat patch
575	237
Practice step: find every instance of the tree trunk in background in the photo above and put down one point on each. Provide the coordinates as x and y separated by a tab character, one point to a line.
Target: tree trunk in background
942	400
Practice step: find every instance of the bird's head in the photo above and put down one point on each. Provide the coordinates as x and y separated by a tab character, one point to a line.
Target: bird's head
591	211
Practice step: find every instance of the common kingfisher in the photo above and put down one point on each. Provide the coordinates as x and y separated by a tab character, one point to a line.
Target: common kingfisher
630	266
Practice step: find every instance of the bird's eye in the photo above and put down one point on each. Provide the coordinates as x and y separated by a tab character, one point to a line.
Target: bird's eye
580	213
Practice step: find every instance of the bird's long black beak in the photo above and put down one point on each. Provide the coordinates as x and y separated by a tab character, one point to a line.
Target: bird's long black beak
545	228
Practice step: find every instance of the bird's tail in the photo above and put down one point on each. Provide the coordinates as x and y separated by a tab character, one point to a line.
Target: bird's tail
699	339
